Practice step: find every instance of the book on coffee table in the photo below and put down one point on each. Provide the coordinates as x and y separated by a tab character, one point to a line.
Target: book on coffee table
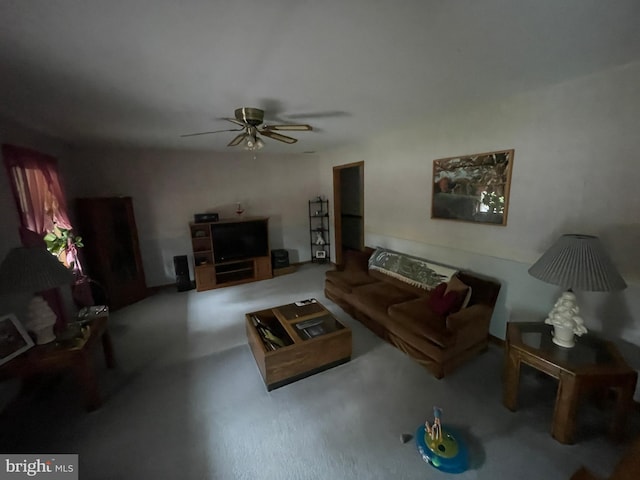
267	334
312	328
314	331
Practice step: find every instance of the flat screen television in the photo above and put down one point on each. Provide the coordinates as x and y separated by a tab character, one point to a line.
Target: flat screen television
239	240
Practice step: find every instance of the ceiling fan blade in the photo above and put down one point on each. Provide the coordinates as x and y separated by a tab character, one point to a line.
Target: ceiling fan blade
277	136
237	140
297	127
215	131
233	120
325	114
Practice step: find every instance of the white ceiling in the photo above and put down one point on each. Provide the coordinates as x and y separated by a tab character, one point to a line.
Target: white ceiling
142	72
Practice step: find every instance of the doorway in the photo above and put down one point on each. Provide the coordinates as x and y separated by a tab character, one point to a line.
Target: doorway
348	208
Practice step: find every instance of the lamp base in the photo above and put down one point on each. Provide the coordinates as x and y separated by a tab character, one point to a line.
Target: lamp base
566	321
44	335
40	320
563	336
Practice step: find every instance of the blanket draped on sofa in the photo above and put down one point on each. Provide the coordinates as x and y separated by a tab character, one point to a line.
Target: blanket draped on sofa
412	270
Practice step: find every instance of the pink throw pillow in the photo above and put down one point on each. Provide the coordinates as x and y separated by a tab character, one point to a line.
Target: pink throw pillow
442	302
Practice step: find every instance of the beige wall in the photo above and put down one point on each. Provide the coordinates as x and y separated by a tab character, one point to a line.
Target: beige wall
169	187
577	167
576	170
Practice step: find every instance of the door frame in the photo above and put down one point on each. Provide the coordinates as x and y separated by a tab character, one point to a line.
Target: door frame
337	207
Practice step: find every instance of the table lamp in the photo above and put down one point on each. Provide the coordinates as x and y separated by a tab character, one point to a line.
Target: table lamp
575	262
34	270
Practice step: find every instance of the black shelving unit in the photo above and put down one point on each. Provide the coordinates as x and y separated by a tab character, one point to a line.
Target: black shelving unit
319	229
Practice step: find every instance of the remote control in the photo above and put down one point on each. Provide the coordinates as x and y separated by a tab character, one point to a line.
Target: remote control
308	301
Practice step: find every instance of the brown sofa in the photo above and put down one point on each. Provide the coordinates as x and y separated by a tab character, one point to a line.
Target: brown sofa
400	313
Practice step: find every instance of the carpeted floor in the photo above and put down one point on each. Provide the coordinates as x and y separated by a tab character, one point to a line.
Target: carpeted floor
187	402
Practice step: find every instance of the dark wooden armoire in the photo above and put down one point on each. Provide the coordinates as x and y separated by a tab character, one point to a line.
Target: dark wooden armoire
111	250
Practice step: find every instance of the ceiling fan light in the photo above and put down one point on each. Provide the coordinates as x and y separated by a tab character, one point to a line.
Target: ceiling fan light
253	143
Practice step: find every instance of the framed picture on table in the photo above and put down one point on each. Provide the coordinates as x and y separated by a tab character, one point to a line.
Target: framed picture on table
14	339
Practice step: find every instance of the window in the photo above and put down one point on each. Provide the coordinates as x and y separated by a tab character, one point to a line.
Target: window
41	203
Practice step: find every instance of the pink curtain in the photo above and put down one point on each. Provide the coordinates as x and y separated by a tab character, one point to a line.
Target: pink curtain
37	191
41	203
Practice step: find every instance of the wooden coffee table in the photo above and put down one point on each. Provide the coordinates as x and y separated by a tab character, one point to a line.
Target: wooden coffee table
592	364
296	352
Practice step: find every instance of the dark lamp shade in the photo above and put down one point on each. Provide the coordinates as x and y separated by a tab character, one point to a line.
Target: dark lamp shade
578	262
32	270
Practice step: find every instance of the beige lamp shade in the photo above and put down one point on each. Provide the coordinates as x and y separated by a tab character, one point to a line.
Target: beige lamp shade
32	270
578	262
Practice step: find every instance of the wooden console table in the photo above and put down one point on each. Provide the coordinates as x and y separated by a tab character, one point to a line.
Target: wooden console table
592	364
72	354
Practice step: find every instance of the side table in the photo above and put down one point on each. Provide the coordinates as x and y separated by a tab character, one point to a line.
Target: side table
73	353
592	364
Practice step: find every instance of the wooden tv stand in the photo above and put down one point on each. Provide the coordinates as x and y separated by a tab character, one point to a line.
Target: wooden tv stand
211	274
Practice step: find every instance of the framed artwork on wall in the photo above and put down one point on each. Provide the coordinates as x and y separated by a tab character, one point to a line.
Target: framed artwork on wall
14	339
472	188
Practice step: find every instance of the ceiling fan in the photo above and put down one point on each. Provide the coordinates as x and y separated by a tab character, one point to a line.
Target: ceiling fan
251	123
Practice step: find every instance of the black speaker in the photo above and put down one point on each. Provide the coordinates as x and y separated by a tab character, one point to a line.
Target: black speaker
181	266
279	258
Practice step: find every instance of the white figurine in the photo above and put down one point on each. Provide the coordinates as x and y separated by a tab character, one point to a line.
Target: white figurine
319	239
579	328
565	320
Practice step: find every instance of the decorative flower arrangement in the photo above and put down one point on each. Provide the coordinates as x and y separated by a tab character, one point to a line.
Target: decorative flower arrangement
62	243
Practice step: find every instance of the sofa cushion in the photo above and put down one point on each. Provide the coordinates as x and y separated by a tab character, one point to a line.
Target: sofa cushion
420	327
356	260
347	280
397	284
374	299
444	301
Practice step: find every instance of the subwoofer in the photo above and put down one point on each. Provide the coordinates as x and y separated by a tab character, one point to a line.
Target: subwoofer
181	266
279	258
